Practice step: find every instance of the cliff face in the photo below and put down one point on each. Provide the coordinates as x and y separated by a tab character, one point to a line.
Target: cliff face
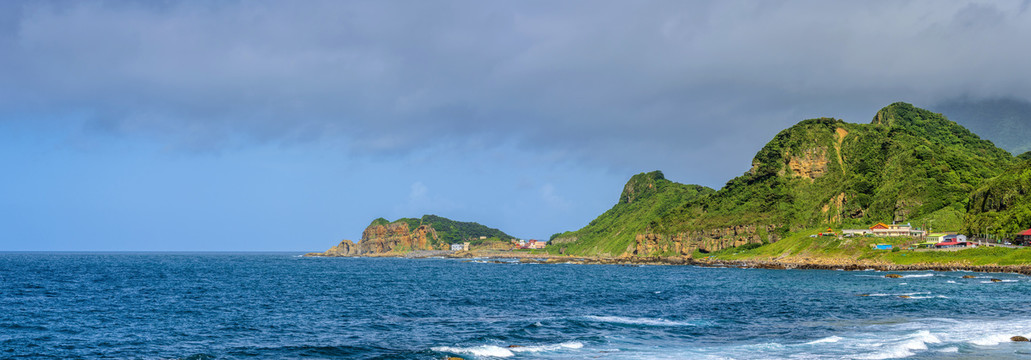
703	240
396	237
430	232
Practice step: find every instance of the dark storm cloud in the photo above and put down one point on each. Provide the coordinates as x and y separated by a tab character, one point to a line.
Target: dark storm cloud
689	87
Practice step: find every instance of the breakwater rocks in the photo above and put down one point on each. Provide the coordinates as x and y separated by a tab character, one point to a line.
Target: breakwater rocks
797	264
854	266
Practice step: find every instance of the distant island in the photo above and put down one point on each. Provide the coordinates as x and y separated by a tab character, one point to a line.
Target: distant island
908	167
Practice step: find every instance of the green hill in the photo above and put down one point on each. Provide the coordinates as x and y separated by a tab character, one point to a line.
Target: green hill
907	165
1002	206
646	199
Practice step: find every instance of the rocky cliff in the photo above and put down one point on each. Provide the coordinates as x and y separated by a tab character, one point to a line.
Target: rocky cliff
430	232
684	244
397	237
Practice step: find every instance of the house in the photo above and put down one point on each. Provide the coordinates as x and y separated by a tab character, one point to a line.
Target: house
855	232
535	244
457	247
896	230
465	246
936	237
953	244
928	244
1023	238
954	238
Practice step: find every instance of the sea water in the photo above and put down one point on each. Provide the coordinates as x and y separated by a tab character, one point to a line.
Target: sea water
282	306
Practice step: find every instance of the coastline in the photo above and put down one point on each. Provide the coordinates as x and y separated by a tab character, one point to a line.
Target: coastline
785	264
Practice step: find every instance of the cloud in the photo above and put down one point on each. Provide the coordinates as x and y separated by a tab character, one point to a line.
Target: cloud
689	87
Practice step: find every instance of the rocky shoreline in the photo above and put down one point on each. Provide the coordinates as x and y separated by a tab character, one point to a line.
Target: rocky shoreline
796	264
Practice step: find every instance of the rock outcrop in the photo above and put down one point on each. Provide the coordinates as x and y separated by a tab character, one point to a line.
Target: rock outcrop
379	239
344	248
395	237
704	240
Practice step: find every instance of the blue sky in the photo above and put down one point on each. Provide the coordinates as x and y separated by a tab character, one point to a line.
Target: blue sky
266	125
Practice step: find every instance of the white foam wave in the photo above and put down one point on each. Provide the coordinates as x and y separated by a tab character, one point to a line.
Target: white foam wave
917	275
903	294
638	321
951	282
482	350
504	352
826	340
905	348
553	347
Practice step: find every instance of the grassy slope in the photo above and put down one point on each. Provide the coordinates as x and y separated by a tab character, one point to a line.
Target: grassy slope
645	199
1003	205
800	247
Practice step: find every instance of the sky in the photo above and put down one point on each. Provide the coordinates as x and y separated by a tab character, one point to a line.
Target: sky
288	126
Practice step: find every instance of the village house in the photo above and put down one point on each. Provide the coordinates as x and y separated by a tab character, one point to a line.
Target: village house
896	230
456	247
883	230
953	244
1023	238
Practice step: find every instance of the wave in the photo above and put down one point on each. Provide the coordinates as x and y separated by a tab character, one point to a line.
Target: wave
905	348
902	294
826	340
503	352
639	321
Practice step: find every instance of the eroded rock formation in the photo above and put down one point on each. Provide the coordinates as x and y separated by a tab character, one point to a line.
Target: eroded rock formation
704	240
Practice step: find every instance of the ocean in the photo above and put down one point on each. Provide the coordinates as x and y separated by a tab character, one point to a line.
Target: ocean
282	306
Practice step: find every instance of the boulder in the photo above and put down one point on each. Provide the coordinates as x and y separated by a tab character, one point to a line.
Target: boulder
893	276
514	346
904	296
969	276
996	280
1018	338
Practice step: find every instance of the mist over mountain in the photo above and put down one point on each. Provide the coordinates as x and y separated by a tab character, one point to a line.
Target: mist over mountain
1004	121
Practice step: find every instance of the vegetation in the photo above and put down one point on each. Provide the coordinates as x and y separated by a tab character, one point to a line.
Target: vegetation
801	246
907	165
1002	206
645	200
450	231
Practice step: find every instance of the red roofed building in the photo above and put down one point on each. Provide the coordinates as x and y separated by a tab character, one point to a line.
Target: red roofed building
952	244
1023	238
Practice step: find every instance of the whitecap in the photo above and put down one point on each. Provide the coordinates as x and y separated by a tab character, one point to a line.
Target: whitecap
917	275
916	341
826	340
553	347
504	352
638	321
482	350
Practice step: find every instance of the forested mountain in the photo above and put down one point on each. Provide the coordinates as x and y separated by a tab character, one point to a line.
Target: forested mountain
907	165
